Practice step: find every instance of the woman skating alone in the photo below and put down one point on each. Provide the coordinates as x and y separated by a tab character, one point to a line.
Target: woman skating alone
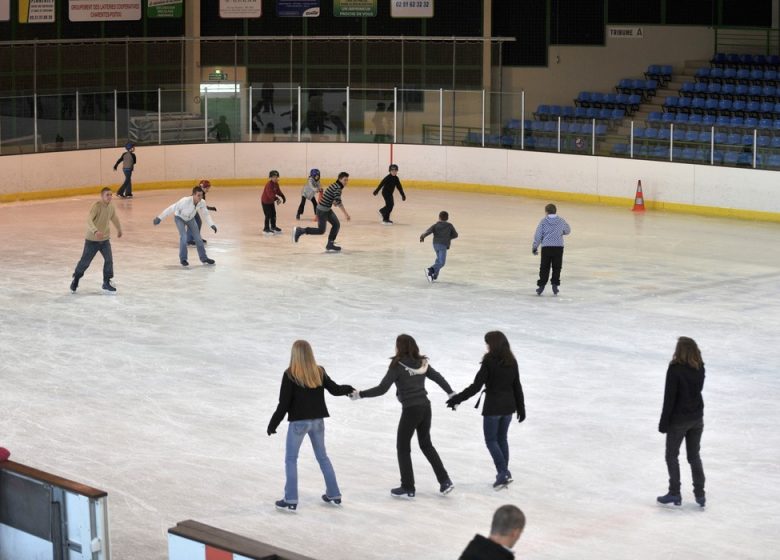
302	399
503	398
682	418
408	370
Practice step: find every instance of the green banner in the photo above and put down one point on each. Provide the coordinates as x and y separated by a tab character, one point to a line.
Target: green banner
354	8
164	8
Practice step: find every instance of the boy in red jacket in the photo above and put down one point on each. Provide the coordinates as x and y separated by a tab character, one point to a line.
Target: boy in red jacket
271	196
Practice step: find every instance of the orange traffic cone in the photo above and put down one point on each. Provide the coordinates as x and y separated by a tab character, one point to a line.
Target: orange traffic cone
639	201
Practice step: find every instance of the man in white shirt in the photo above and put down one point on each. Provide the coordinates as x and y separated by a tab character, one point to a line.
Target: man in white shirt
184	212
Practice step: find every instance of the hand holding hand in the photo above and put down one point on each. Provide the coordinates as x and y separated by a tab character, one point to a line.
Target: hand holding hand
156	221
355	395
350	389
452	403
214	228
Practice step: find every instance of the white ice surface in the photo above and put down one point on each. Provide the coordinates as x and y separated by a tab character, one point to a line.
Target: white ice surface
161	394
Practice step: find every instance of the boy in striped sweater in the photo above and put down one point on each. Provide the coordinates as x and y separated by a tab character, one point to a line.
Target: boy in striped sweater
331	197
549	234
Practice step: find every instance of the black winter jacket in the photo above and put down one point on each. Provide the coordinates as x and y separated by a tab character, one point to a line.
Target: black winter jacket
303	403
503	391
682	396
481	548
409	377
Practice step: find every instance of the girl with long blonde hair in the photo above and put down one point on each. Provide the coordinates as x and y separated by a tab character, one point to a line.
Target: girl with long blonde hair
302	399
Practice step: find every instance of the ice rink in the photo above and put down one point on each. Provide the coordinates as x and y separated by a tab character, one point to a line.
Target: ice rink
161	394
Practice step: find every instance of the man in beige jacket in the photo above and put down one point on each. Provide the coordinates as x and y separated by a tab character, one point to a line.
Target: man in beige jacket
97	239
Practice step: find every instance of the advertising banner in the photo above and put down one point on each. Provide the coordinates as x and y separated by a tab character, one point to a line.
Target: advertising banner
298	8
36	11
354	8
240	8
5	10
411	8
164	8
84	10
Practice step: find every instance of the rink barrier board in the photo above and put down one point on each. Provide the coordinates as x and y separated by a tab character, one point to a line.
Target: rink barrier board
549	195
192	540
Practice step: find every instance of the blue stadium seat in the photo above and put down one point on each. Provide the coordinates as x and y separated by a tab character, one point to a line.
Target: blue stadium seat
664	134
753	109
687	89
678	135
746	60
743	76
568	112
734	139
728	91
617	114
698	105
529	142
721	138
774	143
700	89
580	113
633	101
624	86
724	107
651	133
667	118
765	124
542	111
750	123
754	93
741	91
774	161
763	141
688	154
650	88
705	137
757	76
684	104
767	109
583	99
745	159
601	129
638	87
759	60
610	100
711	106
738	108
654	117
716	75
639	132
695	120
550	127
619	149
730	75
746	140
691	136
718	60
597	99
604	114
709	120
770	77
670	103
556	111
702	75
732	60
681	119
713	89
723	121
736	122
768	93
660	152
773	61
730	158
593	113
473	138
701	156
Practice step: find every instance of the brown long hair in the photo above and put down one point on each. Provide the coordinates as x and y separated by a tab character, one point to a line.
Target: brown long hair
406	347
499	349
687	353
303	368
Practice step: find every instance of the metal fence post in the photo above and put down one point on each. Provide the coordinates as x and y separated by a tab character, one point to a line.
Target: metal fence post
593	138
671	142
206	114
250	113
712	145
159	116
78	131
346	124
559	134
395	115
441	116
755	147
483	118
299	113
116	120
522	118
631	142
35	122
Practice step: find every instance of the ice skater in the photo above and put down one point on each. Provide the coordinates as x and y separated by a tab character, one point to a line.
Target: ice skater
443	233
272	195
503	398
128	161
330	198
204	184
184	212
408	371
388	186
302	399
549	234
682	418
98	240
309	192
505	530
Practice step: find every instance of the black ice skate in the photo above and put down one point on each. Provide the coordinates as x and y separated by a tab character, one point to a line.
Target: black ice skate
184	262
402	492
555	290
276	230
332	247
539	290
281	505
209	261
446	487
670	498
332	501
74	285
429	274
502	481
701	500
296	234
108	288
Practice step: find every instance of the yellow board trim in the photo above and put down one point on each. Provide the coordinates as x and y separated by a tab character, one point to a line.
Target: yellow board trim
427	185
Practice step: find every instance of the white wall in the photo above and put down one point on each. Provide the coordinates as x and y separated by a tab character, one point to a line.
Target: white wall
583	68
699	185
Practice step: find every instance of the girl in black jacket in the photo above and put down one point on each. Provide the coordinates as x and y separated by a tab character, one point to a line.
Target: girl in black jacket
682	418
503	397
408	370
302	399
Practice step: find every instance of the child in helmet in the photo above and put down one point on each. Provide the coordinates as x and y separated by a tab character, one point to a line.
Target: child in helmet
128	161
271	196
204	184
309	192
388	186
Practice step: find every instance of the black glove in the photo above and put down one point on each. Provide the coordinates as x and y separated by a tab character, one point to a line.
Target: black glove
376	193
211	208
270	431
156	221
284	200
350	389
453	403
534	251
115	168
403	197
521	416
662	429
422	238
214	228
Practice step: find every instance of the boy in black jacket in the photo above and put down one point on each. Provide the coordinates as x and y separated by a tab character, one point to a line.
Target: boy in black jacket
443	232
508	524
388	186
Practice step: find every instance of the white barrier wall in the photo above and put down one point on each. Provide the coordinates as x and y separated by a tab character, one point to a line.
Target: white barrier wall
441	166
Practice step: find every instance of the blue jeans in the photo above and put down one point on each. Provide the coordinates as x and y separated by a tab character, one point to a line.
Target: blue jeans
192	226
296	432
495	429
198	223
441	257
127	187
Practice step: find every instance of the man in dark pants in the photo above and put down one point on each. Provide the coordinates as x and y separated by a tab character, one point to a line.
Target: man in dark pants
388	186
97	240
325	213
128	161
508	524
549	234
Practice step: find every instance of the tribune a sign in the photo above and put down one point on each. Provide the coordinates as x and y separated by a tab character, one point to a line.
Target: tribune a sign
84	10
626	33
